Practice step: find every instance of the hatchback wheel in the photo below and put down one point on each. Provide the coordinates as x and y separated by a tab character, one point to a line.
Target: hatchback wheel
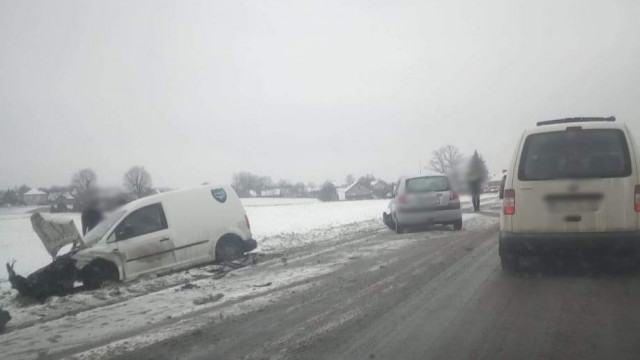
457	225
398	227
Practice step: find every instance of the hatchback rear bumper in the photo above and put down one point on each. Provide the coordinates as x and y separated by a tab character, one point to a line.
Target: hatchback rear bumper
605	243
429	217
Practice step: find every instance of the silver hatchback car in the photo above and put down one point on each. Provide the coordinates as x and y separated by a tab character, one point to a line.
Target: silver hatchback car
423	200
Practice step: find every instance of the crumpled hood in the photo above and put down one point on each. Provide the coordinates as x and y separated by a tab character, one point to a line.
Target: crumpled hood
55	232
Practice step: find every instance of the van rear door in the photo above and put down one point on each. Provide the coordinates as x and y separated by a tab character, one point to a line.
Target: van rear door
576	180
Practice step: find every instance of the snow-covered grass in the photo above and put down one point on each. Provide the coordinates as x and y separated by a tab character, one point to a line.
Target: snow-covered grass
274	220
277	201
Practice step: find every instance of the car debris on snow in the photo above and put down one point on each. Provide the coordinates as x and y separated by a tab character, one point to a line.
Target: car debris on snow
4	318
208	299
262	285
188	286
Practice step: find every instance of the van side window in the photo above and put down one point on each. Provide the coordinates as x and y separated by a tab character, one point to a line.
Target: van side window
142	221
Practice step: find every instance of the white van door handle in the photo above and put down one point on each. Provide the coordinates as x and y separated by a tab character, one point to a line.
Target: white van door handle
165	239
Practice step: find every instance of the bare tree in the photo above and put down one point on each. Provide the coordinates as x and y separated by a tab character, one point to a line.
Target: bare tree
350	179
446	160
138	181
84	180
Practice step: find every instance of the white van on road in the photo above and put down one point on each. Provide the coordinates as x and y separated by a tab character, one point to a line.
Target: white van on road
572	184
168	231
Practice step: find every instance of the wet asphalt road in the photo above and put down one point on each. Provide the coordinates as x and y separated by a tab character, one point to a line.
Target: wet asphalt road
444	298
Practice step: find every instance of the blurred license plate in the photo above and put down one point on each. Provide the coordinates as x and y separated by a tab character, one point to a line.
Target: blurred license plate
574	206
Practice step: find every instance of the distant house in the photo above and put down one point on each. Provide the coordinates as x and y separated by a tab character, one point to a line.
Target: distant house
271	193
56	197
34	197
355	191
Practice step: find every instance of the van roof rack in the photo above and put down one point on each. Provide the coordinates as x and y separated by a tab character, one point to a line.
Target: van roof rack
576	119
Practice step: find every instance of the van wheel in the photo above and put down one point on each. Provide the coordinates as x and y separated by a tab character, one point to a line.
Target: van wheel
228	248
510	262
457	225
97	273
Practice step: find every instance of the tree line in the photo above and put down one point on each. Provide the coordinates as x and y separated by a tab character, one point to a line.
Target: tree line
136	181
247	184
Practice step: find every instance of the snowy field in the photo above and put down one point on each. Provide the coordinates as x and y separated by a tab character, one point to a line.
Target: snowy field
276	223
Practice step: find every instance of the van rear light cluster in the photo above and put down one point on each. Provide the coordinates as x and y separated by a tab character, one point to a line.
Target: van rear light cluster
509	202
402	199
454	196
637	198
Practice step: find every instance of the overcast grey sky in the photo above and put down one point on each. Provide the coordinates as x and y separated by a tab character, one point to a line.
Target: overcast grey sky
304	90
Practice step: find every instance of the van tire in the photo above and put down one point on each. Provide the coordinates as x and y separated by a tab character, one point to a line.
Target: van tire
97	273
457	225
510	262
230	247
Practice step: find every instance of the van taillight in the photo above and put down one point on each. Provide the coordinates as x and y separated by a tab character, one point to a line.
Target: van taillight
637	198
246	218
509	202
402	199
453	196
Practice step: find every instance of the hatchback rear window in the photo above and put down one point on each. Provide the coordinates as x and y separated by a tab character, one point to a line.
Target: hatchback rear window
427	184
579	154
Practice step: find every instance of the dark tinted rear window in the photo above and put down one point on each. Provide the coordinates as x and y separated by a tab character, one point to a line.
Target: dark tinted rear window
576	154
427	184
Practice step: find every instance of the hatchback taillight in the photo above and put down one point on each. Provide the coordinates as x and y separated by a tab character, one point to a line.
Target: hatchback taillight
453	196
246	218
637	198
509	202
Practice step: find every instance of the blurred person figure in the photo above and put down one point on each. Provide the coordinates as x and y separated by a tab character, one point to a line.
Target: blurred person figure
475	187
91	216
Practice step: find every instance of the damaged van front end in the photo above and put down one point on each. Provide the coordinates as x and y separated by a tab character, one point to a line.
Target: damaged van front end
78	265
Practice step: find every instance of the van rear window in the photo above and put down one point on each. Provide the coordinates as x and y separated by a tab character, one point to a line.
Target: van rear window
579	154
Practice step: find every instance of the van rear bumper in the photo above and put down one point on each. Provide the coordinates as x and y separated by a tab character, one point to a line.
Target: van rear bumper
607	243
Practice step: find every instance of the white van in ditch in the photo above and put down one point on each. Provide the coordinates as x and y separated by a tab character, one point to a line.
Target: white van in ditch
163	232
573	184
